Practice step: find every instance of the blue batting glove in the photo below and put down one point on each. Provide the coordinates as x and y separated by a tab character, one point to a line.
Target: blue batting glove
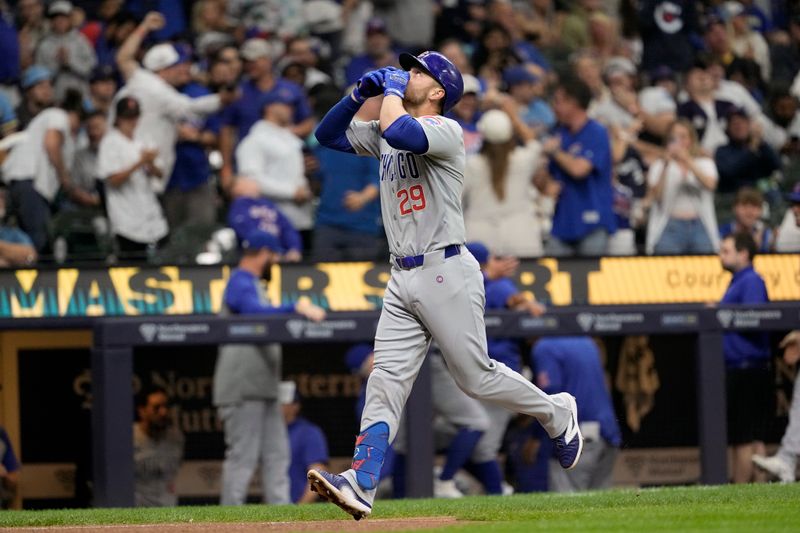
369	85
395	82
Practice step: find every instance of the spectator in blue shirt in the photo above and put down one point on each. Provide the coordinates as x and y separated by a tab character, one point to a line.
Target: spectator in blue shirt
239	117
746	160
308	446
572	364
9	473
16	248
580	160
747	358
348	225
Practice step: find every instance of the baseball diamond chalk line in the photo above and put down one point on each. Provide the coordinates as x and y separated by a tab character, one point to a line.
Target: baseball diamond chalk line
387	524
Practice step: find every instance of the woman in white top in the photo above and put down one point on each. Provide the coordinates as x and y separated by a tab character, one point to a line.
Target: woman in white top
499	199
681	192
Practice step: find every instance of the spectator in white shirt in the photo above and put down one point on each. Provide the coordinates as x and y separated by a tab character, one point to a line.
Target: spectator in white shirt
500	200
154	87
39	166
273	156
128	169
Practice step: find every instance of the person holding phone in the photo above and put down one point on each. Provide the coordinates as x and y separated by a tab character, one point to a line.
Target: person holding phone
680	194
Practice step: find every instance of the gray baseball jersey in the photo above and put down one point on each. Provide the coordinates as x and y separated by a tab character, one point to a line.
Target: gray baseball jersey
420	194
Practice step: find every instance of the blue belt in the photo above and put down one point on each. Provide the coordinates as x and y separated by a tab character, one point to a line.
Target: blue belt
414	261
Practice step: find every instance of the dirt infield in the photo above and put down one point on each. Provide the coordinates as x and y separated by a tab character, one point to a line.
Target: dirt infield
400	524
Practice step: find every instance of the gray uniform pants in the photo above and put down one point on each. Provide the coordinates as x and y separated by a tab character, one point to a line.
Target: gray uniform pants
255	433
790	444
592	472
444	299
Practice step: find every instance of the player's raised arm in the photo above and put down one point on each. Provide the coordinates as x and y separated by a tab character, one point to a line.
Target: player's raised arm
398	127
332	129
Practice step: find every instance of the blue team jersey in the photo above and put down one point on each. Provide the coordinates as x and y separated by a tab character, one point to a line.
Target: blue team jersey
248	214
244	295
308	446
584	204
341	172
191	168
505	351
572	364
246	111
744	350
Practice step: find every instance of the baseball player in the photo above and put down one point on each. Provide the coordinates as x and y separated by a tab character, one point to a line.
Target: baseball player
436	287
246	382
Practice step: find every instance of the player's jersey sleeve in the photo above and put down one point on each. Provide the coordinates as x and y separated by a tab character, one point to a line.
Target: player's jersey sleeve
445	136
365	137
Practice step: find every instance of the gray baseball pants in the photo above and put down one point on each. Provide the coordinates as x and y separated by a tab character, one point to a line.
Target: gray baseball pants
444	299
255	433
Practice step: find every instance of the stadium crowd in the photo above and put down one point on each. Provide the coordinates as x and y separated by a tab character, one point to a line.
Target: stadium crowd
592	127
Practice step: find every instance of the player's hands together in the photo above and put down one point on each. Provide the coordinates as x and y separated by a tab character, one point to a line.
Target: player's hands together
395	82
310	311
371	84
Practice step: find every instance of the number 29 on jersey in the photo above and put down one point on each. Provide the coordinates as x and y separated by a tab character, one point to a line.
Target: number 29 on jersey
411	199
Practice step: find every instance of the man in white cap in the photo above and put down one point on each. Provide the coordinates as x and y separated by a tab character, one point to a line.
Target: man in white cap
163	106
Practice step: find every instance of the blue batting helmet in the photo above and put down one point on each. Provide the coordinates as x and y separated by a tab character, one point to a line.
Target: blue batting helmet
442	70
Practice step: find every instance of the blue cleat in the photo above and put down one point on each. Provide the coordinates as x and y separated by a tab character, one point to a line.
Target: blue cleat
569	444
340	491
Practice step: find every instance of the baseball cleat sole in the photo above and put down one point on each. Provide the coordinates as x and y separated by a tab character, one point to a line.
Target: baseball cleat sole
326	490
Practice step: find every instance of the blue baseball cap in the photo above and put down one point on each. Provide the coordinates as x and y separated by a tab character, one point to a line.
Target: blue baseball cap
794	196
277	96
33	75
356	356
479	251
519	74
259	240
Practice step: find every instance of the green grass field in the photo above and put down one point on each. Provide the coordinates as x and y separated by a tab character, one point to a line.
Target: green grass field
759	508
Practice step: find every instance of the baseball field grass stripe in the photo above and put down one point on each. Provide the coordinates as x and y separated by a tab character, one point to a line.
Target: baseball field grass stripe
770	508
